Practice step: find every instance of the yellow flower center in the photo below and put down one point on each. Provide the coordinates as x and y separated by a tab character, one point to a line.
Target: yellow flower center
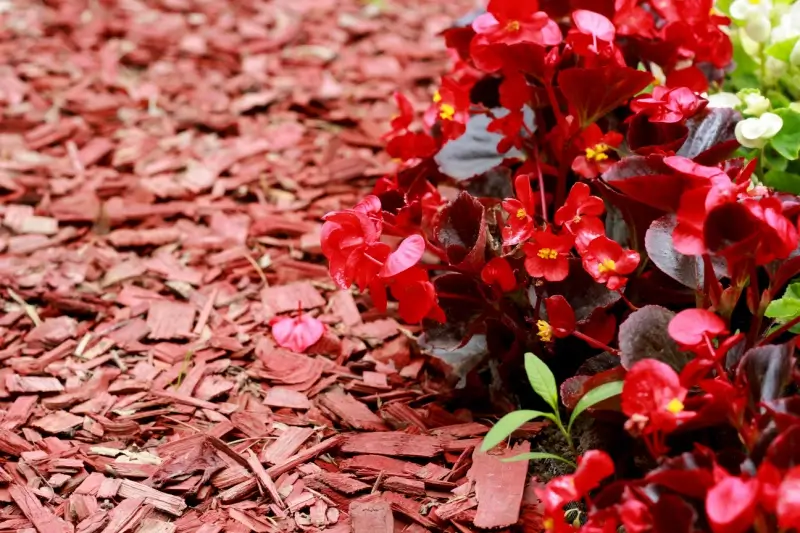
521	214
547	253
675	406
549	524
597	152
755	2
437	97
446	111
606	265
512	26
545	331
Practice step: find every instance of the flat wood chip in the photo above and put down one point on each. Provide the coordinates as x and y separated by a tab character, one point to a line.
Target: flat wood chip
373	516
499	486
392	443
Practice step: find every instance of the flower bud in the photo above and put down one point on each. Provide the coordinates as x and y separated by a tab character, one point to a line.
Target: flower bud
755	103
723	99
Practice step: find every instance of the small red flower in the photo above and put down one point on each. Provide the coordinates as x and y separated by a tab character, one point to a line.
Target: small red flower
411	145
652	397
691	327
607	262
597	151
668	105
731	505
401	122
416	296
450	108
498	272
512	22
297	333
548	255
579	215
593	39
561	319
520	211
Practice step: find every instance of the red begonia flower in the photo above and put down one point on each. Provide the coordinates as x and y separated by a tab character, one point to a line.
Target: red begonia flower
778	235
498	272
560	316
668	105
350	242
607	262
731	505
635	516
450	108
652	397
593	39
416	296
548	255
597	149
691	327
521	209
411	145
593	467
579	205
297	333
512	22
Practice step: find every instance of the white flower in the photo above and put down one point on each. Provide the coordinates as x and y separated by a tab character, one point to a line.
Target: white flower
758	28
755	132
788	25
755	104
794	57
775	68
724	100
745	9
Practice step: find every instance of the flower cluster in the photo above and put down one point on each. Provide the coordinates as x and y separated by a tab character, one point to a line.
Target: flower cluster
595	182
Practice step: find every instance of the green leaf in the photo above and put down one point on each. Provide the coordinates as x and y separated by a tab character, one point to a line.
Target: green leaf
782	181
542	380
788	306
787	141
508	425
593	397
774	160
782	50
533	456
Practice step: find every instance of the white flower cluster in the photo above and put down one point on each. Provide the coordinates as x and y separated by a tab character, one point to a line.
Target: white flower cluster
760	125
767	22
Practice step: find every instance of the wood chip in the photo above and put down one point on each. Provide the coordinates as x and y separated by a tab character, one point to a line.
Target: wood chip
499	487
372	517
393	444
42	519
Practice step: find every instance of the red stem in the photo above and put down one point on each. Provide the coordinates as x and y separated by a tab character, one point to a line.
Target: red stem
780	331
541	181
595	343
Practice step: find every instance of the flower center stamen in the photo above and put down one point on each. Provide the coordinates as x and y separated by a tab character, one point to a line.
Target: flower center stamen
606	265
547	253
675	406
447	112
521	213
545	332
597	152
514	26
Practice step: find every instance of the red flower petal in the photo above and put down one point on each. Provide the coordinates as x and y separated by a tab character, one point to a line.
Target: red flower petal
297	334
593	467
560	315
690	325
407	255
789	500
499	272
592	23
731	505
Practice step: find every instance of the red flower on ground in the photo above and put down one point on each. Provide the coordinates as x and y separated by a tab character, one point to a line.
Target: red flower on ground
350	242
520	211
691	327
560	319
498	272
668	105
597	148
548	255
297	333
731	505
512	22
652	398
607	262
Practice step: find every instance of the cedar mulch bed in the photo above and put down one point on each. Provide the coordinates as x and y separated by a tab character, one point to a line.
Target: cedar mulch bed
163	169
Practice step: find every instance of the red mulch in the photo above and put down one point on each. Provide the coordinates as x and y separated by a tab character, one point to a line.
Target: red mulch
163	169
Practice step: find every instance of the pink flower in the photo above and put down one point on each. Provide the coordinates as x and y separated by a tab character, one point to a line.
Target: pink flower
297	333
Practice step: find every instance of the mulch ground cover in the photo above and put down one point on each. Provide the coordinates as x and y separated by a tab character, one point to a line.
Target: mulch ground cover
163	169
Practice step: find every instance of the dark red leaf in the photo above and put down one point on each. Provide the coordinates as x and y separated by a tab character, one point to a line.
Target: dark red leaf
612	86
461	231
